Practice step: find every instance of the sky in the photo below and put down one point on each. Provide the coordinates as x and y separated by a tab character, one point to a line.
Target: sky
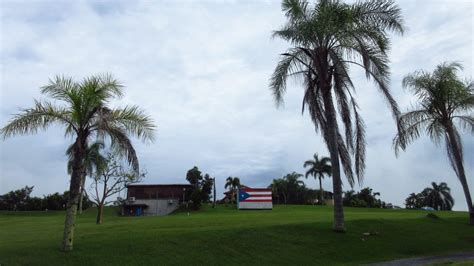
201	70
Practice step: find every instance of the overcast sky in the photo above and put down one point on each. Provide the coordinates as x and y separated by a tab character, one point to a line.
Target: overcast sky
201	70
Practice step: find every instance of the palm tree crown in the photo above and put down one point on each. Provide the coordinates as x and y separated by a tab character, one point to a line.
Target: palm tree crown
317	169
85	115
444	104
439	196
326	39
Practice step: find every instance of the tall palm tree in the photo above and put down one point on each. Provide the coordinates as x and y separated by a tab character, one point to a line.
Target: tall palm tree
233	183
85	115
317	169
326	39
445	102
94	161
439	196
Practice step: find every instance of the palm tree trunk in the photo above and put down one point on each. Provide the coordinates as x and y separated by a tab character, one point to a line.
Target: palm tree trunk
81	197
74	192
320	191
331	141
456	151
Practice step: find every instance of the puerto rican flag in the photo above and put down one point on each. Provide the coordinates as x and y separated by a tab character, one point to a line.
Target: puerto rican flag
255	198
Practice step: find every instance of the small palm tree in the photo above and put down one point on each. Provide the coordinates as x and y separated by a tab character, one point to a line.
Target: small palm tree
293	184
94	161
445	102
233	183
279	187
326	39
439	196
317	169
85	115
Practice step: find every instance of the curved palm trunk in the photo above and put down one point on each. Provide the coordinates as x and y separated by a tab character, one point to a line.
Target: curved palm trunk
461	174
74	193
81	197
330	136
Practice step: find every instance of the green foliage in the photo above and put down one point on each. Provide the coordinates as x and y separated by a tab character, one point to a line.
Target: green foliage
20	200
318	169
291	190
16	200
415	201
201	190
437	197
233	184
365	198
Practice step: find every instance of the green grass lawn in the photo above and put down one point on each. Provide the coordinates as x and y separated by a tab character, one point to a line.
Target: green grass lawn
287	235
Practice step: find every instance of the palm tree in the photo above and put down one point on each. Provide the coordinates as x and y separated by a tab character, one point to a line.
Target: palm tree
293	184
439	196
444	102
93	162
317	169
279	187
85	115
326	39
233	183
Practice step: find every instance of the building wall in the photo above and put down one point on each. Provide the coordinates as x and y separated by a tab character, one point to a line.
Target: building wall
158	207
255	205
157	191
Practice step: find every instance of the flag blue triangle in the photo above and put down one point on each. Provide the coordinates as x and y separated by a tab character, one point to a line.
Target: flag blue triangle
243	195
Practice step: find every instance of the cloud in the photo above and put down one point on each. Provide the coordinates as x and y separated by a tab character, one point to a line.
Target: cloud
201	70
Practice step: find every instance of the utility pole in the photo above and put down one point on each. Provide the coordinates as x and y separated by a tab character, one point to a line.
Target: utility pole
214	184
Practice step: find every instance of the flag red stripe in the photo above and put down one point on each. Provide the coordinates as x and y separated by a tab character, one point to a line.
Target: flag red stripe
256	190
256	200
260	195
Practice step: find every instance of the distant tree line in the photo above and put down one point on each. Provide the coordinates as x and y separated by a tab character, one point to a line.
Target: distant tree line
365	198
290	190
437	197
20	200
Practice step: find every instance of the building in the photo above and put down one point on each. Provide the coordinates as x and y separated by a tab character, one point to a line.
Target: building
153	199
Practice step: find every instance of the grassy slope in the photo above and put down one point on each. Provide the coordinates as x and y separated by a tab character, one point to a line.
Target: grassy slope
286	235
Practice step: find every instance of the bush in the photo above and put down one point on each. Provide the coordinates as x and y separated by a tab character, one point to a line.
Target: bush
432	216
20	200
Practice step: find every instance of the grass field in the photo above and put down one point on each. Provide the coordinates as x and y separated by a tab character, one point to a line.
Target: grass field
287	235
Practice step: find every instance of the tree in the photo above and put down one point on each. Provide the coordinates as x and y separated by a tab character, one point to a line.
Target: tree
279	190
326	39
414	201
109	180
93	162
438	197
202	187
233	184
364	198
85	115
15	200
317	169
445	102
293	185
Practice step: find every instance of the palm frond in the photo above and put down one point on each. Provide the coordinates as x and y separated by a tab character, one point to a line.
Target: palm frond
40	117
134	121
